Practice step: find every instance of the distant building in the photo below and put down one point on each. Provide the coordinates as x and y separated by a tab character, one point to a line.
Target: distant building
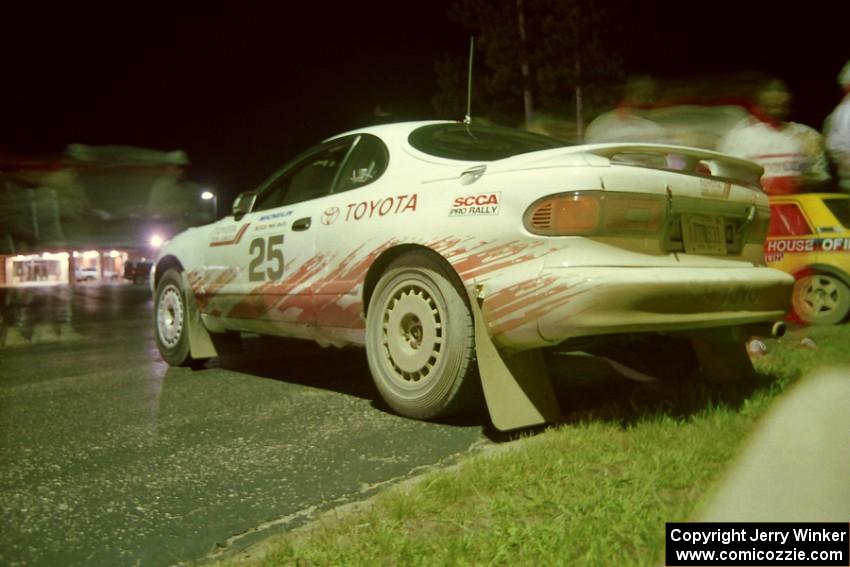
81	215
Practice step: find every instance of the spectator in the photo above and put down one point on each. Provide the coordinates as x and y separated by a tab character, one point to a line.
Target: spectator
837	132
625	123
792	154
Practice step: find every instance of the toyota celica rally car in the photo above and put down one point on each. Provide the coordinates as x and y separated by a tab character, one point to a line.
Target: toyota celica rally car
456	254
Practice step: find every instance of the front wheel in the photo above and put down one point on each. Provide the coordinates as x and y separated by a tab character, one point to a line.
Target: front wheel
420	339
821	299
171	320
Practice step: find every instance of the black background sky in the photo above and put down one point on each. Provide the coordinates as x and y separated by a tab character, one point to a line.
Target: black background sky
243	86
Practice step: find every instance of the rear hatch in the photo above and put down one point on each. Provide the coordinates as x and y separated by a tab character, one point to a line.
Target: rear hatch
663	200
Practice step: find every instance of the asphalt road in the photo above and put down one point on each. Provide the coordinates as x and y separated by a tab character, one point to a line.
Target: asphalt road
109	457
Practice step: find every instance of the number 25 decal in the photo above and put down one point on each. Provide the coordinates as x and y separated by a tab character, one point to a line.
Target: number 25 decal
262	254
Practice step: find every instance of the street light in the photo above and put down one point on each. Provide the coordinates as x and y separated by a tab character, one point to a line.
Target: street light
210	196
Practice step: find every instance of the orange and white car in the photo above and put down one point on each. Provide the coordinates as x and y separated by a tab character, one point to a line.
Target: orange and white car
809	237
451	251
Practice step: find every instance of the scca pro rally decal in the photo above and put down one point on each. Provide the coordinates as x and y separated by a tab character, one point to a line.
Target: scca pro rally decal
374	208
472	205
775	250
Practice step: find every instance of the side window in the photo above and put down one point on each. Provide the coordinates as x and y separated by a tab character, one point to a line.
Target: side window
271	195
367	162
316	176
308	178
840	208
786	219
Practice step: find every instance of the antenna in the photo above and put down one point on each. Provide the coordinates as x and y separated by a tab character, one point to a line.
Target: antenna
468	118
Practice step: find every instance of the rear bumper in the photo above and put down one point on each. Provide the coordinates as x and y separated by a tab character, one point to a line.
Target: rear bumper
563	303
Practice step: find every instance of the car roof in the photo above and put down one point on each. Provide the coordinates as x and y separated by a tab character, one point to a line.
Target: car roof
392	131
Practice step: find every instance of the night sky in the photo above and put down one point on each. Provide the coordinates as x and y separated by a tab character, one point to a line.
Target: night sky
243	86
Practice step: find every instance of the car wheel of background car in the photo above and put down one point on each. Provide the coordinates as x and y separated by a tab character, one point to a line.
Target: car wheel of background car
821	299
171	320
420	339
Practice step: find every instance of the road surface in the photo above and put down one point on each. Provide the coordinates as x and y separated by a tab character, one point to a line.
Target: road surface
109	457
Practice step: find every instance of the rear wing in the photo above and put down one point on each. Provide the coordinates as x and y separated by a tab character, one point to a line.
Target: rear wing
681	159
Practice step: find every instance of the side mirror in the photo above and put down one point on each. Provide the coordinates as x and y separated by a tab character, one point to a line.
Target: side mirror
243	204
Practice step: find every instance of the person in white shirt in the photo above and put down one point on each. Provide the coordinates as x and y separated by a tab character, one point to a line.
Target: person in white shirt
627	122
837	132
791	154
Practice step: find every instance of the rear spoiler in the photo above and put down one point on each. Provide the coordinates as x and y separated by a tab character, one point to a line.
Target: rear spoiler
681	159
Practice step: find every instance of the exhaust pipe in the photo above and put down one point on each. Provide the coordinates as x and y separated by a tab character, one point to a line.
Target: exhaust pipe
775	330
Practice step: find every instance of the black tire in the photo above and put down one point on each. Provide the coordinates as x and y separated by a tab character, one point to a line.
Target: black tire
821	299
420	339
171	321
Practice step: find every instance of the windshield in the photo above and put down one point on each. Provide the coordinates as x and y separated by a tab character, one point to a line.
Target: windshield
478	143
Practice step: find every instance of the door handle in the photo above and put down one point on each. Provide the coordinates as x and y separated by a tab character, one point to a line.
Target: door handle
301	224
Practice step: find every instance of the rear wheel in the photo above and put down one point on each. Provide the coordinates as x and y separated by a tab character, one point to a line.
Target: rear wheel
821	299
420	339
171	321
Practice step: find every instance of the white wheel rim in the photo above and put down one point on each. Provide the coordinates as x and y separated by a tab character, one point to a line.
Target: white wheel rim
412	333
819	296
169	316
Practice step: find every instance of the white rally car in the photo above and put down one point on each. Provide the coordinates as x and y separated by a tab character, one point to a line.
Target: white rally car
456	253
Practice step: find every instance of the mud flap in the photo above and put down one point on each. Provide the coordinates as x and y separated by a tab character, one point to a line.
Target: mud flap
513	403
202	344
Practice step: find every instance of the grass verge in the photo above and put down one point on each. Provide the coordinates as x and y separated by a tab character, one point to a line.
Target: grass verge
596	490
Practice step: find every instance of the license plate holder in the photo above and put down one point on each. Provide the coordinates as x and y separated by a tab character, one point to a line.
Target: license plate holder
703	234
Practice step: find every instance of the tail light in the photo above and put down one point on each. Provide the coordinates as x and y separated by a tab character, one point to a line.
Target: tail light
600	213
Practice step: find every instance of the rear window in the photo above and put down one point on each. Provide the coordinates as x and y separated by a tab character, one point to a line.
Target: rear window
786	219
841	209
478	143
